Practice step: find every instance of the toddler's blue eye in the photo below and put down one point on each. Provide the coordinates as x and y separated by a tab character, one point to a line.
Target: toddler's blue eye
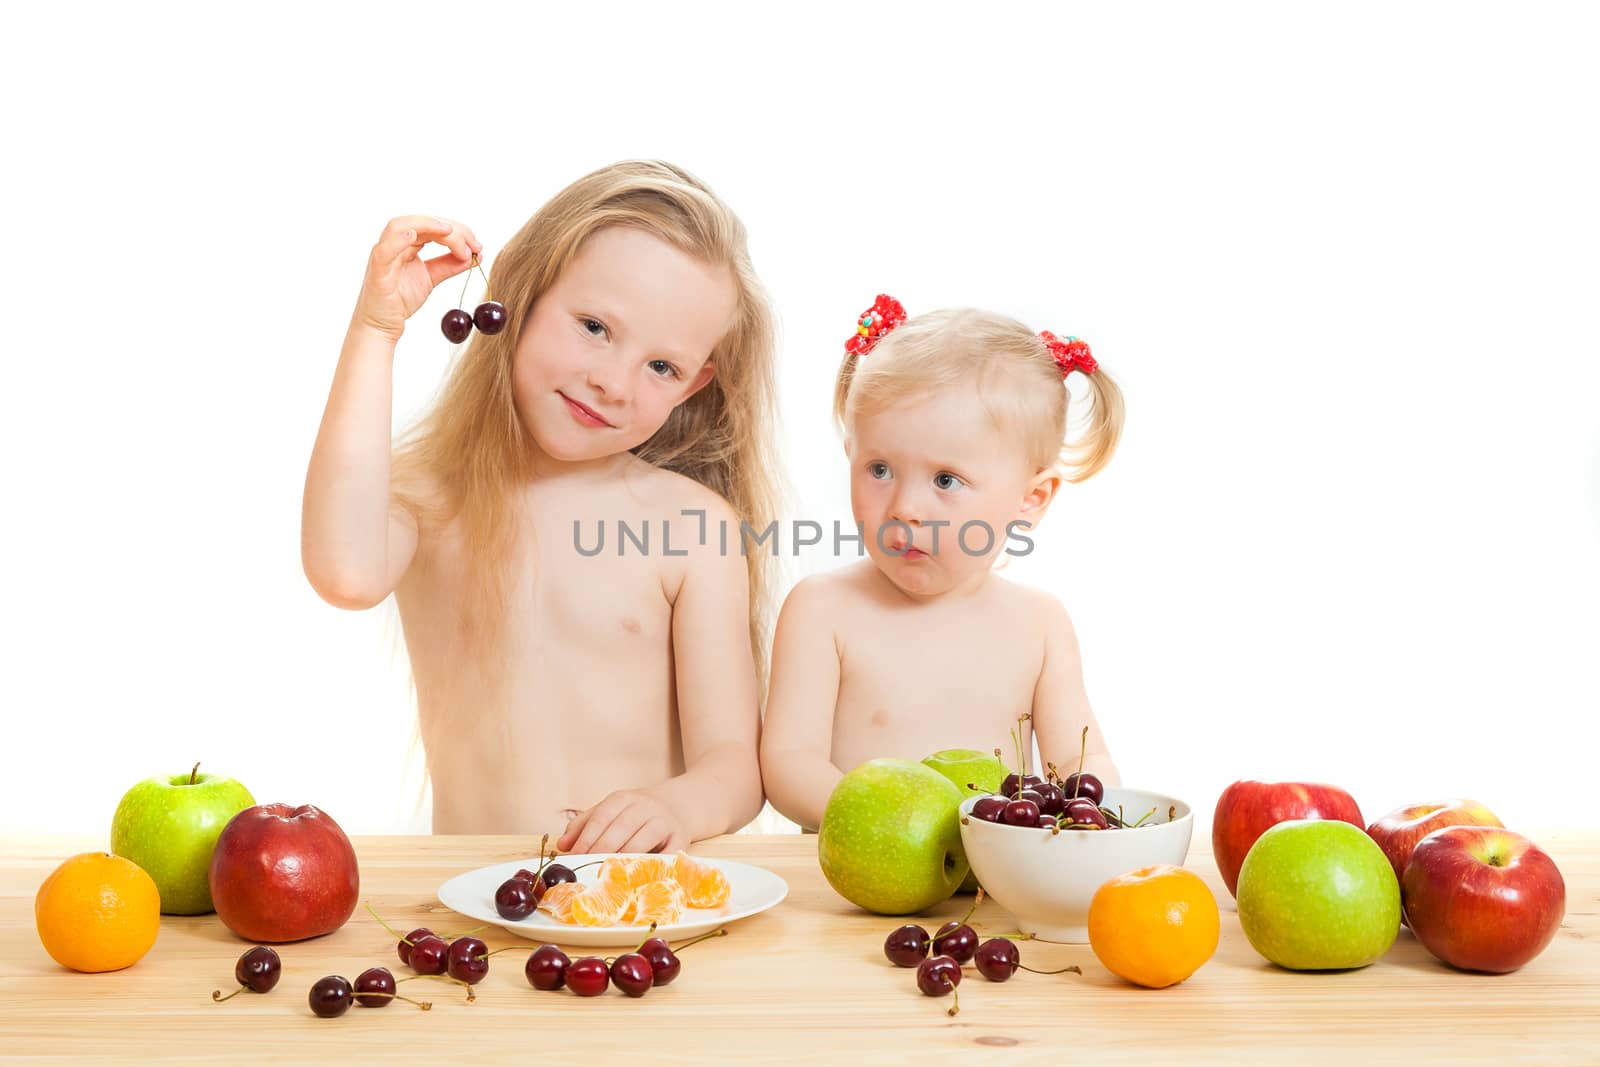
946	480
878	470
590	325
663	368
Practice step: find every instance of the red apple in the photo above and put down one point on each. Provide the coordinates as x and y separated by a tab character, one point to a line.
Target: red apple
1398	832
1248	809
283	874
1482	898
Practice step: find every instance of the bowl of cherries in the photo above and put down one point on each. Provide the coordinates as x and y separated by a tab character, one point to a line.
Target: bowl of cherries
1042	846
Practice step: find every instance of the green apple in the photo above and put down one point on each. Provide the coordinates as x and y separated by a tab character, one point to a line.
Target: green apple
889	840
1318	894
169	826
966	767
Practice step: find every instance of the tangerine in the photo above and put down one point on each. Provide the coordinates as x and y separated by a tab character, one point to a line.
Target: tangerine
557	900
643	870
97	912
602	903
1154	926
659	902
704	885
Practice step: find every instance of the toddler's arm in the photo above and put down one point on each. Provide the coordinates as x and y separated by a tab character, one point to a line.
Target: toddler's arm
355	543
1061	706
797	737
719	717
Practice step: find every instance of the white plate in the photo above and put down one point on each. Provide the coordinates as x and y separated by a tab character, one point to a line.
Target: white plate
753	890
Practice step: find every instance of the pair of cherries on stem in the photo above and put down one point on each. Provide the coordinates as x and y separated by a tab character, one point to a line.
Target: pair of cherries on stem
956	943
464	958
518	896
653	963
489	317
373	988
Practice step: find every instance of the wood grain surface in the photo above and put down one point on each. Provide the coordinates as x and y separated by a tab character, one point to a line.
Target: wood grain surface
803	983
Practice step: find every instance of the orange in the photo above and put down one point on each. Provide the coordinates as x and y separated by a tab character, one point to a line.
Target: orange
557	900
658	902
97	912
602	904
1154	926
646	869
705	885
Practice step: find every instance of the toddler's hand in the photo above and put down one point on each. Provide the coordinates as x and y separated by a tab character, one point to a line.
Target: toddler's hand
626	821
397	282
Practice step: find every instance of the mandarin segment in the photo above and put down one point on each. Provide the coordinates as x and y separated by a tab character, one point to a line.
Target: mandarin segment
660	902
705	886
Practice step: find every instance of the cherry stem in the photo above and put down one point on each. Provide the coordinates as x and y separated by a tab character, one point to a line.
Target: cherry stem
954	996
723	932
648	935
1083	749
464	285
476	262
425	1005
977	898
1073	969
581	866
216	994
496	952
385	925
471	996
192	773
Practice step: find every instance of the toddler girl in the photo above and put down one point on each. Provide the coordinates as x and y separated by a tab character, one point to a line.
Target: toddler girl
609	694
954	425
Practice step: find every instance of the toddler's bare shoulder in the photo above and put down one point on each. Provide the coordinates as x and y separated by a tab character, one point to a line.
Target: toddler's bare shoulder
1039	606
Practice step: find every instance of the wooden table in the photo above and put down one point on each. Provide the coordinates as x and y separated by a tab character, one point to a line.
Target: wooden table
805	982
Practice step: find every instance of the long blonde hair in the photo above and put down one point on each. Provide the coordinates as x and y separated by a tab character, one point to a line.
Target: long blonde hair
474	448
1015	374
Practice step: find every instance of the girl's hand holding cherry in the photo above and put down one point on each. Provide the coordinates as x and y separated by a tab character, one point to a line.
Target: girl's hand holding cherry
398	281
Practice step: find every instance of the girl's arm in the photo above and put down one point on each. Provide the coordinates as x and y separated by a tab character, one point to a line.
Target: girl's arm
719	716
355	543
1061	707
797	740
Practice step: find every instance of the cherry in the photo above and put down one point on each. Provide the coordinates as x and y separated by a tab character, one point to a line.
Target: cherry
557	873
490	317
1047	822
1084	784
547	968
468	959
258	970
1016	782
998	959
664	963
375	988
588	977
430	955
958	942
457	325
989	808
517	899
906	946
939	975
411	939
1021	813
330	996
1051	799
956	939
631	973
1082	814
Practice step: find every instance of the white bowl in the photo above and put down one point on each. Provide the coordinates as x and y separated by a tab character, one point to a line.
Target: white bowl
1046	880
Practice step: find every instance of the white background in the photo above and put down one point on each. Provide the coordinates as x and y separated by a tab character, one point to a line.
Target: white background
1342	260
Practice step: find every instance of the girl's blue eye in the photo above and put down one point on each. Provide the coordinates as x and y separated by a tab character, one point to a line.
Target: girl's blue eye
946	480
590	325
664	369
878	470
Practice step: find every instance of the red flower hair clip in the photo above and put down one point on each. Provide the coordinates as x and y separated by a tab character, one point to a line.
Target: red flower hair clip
884	315
1070	355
